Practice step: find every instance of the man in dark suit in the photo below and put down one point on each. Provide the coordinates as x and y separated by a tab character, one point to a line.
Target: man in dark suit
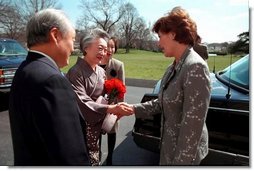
46	124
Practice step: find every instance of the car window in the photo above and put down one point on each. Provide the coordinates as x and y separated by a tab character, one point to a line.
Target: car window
238	73
11	48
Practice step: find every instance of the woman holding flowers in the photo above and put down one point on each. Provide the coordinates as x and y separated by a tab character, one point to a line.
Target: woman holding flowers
114	69
87	80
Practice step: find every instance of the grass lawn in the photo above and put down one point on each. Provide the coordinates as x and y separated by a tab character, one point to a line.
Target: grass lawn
151	65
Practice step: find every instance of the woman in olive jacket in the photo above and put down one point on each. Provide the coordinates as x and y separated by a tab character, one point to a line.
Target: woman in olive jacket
184	93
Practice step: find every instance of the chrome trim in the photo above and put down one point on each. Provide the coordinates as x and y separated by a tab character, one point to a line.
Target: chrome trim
5	90
237	111
148	136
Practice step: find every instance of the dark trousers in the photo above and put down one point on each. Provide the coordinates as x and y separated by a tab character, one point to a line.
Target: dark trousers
111	146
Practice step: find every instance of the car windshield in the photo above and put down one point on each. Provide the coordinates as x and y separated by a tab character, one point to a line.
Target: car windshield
11	48
238	73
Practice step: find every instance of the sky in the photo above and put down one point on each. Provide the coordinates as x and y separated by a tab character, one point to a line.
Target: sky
218	21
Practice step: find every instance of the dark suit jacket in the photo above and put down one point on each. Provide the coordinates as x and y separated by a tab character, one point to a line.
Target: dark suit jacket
46	124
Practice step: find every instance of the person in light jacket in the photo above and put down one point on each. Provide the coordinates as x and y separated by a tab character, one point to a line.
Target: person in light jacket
184	94
114	69
201	48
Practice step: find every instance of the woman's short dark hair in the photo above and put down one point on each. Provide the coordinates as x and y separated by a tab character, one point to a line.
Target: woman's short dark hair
179	22
115	42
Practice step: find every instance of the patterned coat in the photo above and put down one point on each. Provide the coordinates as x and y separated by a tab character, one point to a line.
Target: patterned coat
183	101
89	85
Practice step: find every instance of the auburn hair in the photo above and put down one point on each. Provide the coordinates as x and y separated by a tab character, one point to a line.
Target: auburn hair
179	22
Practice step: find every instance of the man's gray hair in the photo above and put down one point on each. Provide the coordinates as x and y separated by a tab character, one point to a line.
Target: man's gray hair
42	22
87	39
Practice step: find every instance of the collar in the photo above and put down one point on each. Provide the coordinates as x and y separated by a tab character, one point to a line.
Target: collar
182	59
35	51
85	65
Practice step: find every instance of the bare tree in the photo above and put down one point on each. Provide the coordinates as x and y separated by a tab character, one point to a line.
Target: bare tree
13	26
129	24
103	13
3	9
82	23
15	13
29	7
143	34
11	23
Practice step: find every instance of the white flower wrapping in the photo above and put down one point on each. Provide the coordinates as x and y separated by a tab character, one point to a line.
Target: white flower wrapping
110	119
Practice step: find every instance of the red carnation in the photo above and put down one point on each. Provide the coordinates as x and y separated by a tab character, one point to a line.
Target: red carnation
114	89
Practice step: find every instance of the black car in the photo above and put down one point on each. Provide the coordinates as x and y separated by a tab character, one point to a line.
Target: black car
227	119
12	53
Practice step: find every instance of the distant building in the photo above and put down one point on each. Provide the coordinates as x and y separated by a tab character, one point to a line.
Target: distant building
218	48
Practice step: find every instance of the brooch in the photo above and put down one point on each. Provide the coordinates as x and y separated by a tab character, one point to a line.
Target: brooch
113	73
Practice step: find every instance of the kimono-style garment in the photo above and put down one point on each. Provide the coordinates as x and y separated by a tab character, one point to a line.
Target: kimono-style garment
89	85
183	101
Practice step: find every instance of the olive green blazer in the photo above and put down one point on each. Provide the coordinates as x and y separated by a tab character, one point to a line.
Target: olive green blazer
183	101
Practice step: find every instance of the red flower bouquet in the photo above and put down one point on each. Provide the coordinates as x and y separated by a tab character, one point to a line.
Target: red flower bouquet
114	89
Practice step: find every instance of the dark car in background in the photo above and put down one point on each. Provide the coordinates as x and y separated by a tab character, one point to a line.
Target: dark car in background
227	119
12	53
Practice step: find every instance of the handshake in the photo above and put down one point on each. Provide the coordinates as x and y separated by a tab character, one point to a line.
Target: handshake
121	109
115	112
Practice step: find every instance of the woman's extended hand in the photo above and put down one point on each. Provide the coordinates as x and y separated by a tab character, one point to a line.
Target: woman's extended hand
121	109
